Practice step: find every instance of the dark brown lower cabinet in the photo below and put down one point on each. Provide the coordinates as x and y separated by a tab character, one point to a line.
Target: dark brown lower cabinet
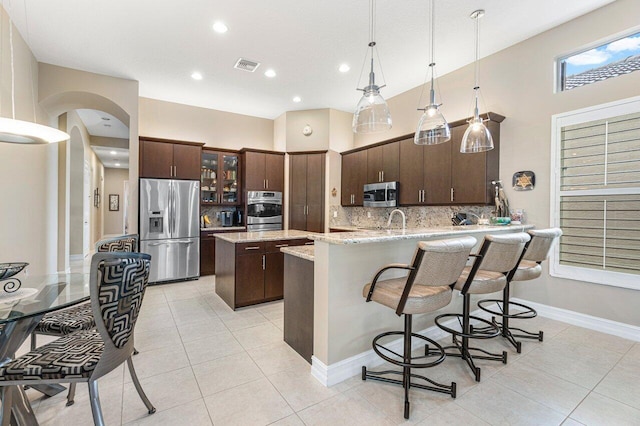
251	273
298	305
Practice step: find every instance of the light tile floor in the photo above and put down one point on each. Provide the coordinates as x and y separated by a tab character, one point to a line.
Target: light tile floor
201	363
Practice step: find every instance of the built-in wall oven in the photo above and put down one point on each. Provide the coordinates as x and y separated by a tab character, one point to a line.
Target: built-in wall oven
264	210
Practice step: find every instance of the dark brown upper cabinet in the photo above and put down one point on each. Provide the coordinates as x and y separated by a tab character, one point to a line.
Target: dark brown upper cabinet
354	177
306	191
161	158
383	163
263	171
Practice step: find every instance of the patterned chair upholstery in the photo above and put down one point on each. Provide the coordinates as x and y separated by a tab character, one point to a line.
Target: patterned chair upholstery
80	317
118	283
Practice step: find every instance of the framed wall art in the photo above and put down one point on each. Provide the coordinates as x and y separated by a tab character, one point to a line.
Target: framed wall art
114	202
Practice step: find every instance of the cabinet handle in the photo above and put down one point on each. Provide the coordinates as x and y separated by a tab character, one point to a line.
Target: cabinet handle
419	195
210	235
452	194
264	184
252	248
263	262
424	195
267	183
171	171
282	245
382	172
309	243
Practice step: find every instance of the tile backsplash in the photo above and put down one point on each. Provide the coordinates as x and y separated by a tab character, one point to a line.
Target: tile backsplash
212	212
417	217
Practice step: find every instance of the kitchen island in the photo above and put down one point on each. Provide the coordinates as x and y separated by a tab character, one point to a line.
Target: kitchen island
249	265
344	325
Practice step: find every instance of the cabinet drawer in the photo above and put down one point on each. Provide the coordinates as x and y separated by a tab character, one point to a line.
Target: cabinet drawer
275	246
207	235
245	248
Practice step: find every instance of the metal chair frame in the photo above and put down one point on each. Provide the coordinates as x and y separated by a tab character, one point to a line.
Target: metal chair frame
406	360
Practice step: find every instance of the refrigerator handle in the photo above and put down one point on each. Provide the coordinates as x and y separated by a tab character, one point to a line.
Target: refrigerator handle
170	204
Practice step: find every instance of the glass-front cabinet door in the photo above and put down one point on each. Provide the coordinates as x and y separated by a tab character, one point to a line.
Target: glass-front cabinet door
229	178
209	193
219	178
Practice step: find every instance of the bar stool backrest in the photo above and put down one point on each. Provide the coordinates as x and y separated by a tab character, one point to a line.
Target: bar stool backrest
440	263
122	243
502	252
541	243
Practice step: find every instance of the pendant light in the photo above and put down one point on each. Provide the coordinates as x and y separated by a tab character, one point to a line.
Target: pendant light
25	132
372	112
432	128
477	138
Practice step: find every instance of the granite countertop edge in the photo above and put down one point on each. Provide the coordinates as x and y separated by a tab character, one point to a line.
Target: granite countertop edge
361	236
254	237
303	252
223	228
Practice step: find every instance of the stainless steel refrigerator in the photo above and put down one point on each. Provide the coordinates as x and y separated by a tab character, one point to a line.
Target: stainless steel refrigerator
170	228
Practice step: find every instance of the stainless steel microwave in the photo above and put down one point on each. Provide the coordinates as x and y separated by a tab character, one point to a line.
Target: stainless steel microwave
384	194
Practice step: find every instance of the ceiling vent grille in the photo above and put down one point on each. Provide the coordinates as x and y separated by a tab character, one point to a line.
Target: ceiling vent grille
246	65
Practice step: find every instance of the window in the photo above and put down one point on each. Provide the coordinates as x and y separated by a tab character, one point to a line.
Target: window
596	194
614	58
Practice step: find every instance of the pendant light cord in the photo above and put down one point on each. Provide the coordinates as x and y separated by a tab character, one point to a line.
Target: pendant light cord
13	78
477	65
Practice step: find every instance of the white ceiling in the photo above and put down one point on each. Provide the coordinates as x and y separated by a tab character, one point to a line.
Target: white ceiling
112	157
100	123
160	43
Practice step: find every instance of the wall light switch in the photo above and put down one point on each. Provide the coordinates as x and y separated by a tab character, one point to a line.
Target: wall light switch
369	214
335	214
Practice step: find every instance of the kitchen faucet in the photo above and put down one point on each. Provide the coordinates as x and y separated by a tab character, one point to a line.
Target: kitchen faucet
404	219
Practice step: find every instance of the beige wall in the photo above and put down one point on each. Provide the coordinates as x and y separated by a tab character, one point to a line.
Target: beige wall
218	129
114	184
518	83
341	137
318	119
28	174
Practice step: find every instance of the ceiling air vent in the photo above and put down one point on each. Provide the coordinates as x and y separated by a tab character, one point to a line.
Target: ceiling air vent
246	65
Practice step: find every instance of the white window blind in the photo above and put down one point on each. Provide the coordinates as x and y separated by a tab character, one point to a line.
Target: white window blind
597	195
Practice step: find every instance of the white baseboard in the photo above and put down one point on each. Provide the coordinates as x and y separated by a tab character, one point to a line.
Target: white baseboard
330	375
74	257
340	371
603	325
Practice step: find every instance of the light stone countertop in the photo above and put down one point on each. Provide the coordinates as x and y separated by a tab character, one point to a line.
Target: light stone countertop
257	236
223	228
363	236
303	252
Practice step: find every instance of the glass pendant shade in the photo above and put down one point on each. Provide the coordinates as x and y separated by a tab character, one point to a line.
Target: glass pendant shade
432	129
372	113
476	138
27	132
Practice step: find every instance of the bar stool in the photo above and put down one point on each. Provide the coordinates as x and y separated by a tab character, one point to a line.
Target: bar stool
498	255
536	251
435	268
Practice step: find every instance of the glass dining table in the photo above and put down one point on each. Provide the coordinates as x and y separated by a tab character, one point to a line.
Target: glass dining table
21	309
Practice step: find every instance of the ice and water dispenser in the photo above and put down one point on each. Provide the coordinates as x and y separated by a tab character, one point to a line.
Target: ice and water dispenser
156	222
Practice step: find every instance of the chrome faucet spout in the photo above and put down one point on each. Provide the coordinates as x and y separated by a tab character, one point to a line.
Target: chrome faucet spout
404	219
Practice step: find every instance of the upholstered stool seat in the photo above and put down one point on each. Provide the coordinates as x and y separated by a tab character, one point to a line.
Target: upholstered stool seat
421	298
498	255
426	288
73	356
529	268
67	321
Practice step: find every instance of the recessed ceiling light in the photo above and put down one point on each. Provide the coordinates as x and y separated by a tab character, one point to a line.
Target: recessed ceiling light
196	76
113	153
344	68
220	27
117	164
297	99
270	73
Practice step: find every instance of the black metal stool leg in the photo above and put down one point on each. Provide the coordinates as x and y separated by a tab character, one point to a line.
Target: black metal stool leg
408	362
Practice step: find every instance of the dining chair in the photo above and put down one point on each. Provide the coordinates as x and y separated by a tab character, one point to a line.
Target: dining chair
117	285
80	317
498	255
436	266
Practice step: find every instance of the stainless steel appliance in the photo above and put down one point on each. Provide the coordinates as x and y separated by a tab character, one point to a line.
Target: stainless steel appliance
384	194
226	218
264	210
170	228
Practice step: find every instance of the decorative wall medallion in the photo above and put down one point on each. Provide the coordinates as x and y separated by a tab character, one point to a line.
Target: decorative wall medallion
307	130
524	180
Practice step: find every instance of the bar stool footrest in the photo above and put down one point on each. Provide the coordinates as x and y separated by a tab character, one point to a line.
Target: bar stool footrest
527	313
493	329
397	359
